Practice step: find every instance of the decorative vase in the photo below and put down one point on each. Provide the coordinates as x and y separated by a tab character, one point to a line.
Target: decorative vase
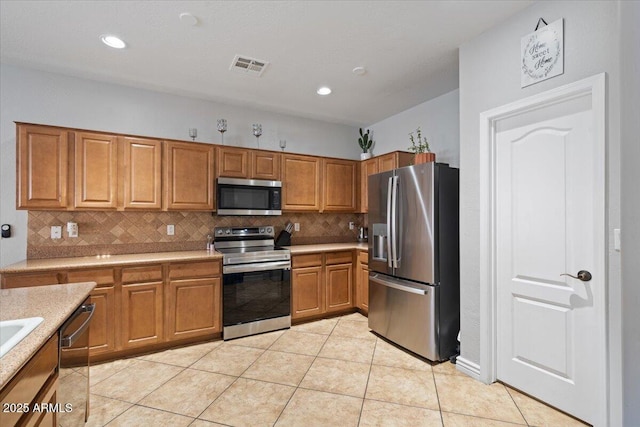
424	158
365	156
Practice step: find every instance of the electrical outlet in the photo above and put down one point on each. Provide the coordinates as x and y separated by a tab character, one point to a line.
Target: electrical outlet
56	232
72	229
171	230
351	225
296	226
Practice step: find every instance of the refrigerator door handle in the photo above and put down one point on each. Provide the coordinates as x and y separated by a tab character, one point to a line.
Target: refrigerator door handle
389	204
394	222
376	279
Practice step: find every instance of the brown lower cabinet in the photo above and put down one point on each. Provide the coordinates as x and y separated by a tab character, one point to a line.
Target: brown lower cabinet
140	308
193	300
362	281
321	283
36	382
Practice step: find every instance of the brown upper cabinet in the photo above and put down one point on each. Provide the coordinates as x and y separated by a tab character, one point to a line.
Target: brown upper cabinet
96	173
232	162
245	163
378	164
188	176
301	182
42	159
339	185
140	168
265	165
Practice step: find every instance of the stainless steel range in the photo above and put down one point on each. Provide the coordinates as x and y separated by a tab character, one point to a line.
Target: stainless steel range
256	281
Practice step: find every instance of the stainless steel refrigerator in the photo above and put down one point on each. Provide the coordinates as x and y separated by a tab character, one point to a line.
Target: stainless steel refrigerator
414	261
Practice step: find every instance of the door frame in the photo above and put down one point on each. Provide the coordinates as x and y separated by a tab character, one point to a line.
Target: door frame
596	87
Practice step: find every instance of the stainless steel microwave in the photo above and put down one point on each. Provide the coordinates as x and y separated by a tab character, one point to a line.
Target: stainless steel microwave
249	197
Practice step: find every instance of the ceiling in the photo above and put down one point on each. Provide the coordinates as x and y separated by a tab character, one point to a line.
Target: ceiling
408	48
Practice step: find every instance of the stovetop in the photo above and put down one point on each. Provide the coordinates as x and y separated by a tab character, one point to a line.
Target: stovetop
243	245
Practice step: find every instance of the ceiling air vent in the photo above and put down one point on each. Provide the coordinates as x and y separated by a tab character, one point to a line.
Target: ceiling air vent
245	64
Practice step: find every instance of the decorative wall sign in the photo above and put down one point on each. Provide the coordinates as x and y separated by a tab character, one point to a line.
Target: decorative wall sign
542	53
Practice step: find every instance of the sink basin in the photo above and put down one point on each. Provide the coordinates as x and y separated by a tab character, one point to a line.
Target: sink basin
13	331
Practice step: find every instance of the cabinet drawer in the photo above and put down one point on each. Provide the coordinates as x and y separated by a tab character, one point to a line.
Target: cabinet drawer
343	257
26	385
363	257
194	269
32	279
142	274
102	276
307	260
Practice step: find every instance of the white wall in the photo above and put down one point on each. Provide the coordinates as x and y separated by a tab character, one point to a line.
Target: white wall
490	77
630	208
438	120
39	97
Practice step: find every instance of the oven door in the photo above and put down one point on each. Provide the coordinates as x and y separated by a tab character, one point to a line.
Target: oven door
256	298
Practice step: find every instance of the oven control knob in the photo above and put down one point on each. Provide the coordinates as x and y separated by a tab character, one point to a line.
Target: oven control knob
269	230
219	231
227	232
262	230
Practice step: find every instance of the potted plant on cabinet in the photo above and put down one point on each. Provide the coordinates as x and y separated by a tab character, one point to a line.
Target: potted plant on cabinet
420	147
365	143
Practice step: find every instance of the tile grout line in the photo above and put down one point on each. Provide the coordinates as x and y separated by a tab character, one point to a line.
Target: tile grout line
364	397
305	374
435	385
516	403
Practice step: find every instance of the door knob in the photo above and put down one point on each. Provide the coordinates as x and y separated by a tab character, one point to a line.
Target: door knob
583	275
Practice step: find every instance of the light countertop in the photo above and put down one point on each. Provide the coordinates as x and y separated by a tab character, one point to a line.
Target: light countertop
34	265
54	303
327	247
108	260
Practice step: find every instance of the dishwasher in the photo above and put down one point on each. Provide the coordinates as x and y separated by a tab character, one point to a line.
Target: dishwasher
73	383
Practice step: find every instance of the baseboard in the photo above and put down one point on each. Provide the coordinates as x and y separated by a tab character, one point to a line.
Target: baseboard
468	367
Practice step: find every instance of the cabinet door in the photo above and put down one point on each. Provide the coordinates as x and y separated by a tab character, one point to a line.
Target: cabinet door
265	165
194	307
232	162
301	182
339	185
188	173
308	292
142	316
102	338
386	162
362	300
42	164
368	167
96	174
339	280
140	167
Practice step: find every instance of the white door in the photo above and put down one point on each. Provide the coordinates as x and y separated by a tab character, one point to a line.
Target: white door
551	340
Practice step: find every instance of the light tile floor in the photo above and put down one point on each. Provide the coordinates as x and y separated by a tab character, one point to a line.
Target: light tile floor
331	372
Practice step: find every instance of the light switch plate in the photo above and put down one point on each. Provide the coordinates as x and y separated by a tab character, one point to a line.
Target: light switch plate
56	232
72	229
171	230
296	226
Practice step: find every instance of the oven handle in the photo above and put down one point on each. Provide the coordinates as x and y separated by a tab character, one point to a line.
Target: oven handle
262	266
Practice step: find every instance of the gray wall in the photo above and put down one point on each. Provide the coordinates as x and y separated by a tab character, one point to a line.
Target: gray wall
630	208
438	120
40	97
490	77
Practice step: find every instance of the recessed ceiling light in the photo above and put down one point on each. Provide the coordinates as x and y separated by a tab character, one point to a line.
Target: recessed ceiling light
113	41
324	91
188	19
359	71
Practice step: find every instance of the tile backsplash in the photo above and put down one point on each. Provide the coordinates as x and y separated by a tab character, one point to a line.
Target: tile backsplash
138	232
